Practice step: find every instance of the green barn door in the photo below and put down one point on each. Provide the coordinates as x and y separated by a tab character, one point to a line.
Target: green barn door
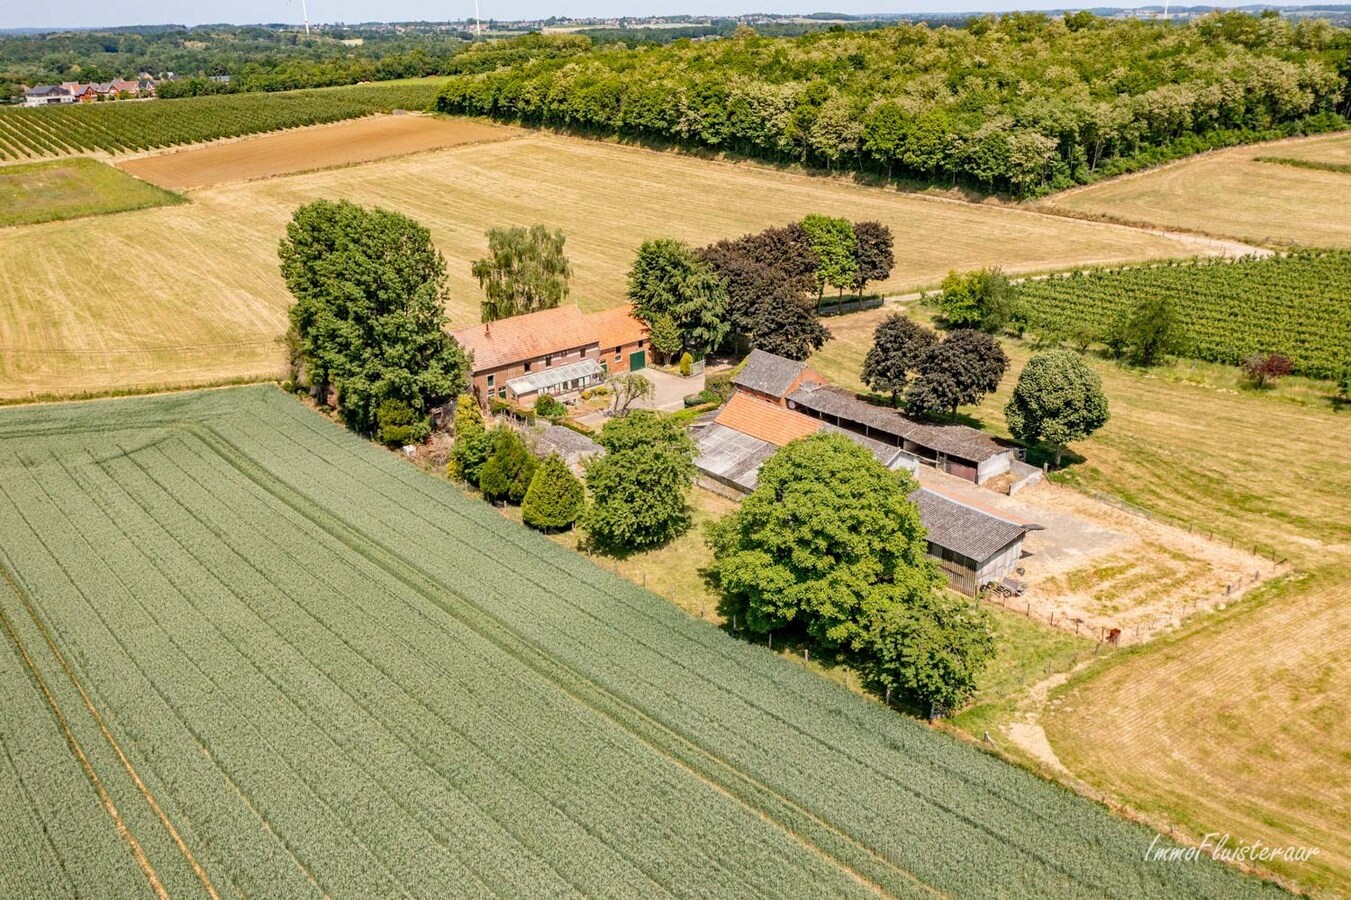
637	360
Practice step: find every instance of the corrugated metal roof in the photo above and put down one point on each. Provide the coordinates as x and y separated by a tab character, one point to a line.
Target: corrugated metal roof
565	442
768	374
960	441
731	456
964	529
542	381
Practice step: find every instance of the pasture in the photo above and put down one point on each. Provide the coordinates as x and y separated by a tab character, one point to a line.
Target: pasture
209	304
307	149
1230	193
32	193
247	652
1268	468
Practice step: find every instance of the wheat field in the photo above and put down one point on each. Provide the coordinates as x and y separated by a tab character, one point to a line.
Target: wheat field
191	294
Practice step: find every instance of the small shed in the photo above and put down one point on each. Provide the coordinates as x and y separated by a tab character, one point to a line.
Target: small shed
573	447
974	547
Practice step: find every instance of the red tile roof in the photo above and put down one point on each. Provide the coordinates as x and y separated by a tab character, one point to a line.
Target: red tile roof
766	421
530	336
617	326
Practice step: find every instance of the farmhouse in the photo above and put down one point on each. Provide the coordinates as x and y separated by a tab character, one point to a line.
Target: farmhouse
973	546
559	352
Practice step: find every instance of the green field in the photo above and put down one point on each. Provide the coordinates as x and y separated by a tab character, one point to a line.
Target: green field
133	125
1295	305
71	188
246	652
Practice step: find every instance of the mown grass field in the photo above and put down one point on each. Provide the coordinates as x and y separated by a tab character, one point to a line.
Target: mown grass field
204	301
246	652
1232	194
71	188
1236	723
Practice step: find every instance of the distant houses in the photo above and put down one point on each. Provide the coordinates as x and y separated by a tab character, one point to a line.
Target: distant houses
773	404
559	352
91	92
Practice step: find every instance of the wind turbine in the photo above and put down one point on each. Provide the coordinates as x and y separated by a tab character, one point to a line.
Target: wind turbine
478	25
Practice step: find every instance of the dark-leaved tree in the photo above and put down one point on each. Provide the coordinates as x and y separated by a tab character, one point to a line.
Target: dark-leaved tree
369	313
874	254
899	344
957	371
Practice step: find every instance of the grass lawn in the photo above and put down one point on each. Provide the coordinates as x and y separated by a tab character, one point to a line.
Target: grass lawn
73	188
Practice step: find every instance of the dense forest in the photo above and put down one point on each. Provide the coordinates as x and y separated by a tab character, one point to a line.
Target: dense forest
1020	104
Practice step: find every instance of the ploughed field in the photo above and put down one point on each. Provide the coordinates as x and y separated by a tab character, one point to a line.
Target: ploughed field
244	651
303	150
196	296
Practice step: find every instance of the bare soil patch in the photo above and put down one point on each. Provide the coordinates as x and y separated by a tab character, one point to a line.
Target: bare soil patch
307	149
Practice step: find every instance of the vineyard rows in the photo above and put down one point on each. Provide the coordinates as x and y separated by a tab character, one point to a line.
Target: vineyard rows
130	126
336	675
1296	305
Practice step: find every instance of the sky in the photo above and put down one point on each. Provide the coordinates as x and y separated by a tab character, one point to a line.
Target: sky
93	13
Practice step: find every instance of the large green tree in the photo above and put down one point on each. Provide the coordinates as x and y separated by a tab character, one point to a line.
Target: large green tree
669	278
835	244
899	345
829	551
983	299
525	270
1058	399
369	314
1154	330
639	486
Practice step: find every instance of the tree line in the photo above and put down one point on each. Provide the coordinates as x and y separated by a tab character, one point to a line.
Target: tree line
1021	104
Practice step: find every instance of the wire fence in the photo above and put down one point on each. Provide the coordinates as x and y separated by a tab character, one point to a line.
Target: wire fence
1266	551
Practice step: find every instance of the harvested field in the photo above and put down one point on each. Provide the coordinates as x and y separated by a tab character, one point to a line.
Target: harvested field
1231	193
209	303
248	653
1236	724
71	188
304	150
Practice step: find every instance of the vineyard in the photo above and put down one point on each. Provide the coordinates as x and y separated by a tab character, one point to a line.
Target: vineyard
1295	305
129	126
247	653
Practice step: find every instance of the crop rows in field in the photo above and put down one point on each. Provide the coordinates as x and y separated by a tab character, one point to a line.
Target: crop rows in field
335	674
1295	305
144	125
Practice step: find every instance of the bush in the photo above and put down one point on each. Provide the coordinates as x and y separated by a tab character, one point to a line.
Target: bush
398	424
555	498
472	442
507	473
686	365
549	407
